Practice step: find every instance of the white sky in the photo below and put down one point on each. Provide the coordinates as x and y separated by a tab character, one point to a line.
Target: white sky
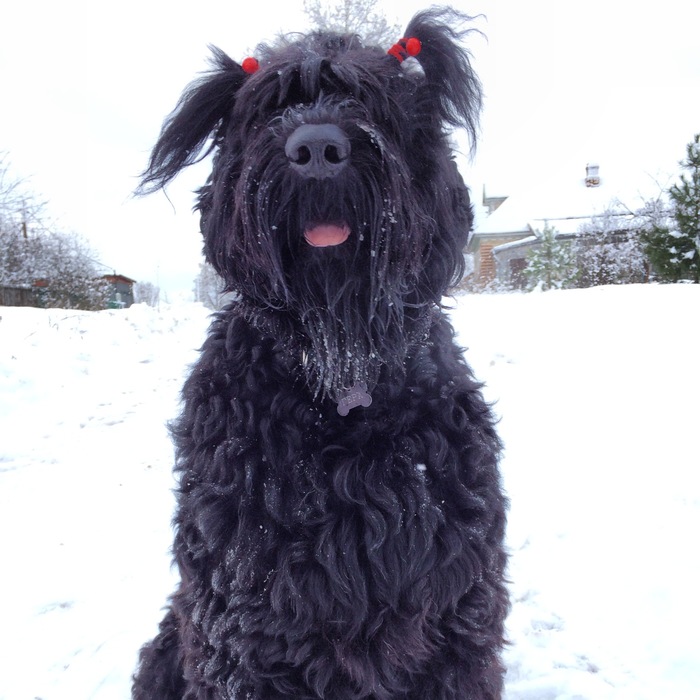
86	85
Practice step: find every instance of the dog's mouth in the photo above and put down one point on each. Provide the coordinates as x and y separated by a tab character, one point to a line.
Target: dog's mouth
324	235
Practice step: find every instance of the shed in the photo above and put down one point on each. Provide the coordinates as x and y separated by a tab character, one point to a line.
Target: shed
122	291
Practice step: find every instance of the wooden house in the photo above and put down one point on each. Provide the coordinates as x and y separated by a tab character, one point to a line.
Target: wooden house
512	225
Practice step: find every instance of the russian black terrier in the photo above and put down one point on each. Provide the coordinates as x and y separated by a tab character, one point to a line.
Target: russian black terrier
340	521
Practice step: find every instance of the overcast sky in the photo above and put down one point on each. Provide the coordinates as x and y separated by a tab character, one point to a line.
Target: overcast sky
86	85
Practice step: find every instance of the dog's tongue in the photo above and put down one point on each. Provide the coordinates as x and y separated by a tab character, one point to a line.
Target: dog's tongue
324	235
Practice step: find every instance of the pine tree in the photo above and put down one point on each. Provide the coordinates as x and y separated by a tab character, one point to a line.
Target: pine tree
551	263
674	247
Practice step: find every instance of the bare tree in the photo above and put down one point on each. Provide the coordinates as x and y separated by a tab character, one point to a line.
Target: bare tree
361	17
20	210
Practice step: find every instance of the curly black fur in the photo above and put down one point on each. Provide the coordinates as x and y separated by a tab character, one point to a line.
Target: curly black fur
322	556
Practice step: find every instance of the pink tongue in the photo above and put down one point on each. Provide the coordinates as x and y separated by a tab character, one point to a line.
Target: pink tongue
326	235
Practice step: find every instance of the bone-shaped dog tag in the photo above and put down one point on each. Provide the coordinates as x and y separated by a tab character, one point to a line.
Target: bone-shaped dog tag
351	398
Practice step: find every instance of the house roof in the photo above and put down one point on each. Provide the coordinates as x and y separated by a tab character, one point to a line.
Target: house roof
119	278
565	203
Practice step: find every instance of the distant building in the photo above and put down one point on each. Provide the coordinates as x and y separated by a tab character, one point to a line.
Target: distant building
122	291
17	296
500	243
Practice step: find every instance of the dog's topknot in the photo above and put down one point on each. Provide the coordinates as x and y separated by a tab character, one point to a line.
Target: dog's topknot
450	85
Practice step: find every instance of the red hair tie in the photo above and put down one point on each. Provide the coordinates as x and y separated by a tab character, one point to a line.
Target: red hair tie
405	48
250	65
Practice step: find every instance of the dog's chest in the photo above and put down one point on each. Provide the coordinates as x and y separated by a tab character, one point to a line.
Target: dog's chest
358	518
339	520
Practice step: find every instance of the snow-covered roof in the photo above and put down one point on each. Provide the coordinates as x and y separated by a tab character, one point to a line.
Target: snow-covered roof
565	203
515	244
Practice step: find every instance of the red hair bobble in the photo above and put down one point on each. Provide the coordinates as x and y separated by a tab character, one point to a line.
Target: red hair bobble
250	65
405	48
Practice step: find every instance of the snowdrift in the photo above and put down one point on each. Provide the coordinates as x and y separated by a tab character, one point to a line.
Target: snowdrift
598	396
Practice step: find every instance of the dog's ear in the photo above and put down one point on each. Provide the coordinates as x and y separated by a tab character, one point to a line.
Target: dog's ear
202	110
450	86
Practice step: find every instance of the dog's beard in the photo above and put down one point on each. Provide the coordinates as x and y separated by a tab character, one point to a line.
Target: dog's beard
348	335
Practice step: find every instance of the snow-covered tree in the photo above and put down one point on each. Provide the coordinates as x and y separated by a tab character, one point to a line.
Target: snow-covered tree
60	267
146	293
673	246
550	264
20	210
361	17
609	250
208	287
17	204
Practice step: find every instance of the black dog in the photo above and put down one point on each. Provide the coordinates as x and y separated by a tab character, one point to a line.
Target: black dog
340	518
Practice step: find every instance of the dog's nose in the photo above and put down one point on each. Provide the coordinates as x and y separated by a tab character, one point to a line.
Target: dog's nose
318	150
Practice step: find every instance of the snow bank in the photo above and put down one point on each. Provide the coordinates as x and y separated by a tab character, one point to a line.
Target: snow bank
85	492
597	390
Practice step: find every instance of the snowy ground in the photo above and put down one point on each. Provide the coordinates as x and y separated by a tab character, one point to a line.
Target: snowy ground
598	392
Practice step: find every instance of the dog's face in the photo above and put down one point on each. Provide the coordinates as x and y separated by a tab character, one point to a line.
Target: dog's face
333	196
